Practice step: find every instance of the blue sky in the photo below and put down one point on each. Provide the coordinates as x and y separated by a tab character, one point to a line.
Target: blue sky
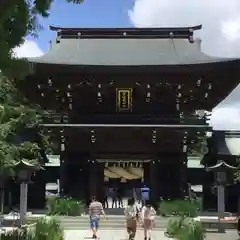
92	13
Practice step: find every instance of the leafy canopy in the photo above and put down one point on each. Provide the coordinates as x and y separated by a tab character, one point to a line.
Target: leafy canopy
15	115
18	19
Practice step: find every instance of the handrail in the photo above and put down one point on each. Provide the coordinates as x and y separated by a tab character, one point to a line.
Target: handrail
121	118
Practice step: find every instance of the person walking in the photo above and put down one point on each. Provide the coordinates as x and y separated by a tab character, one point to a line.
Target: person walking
114	198
95	211
120	197
138	195
105	197
132	216
147	215
145	194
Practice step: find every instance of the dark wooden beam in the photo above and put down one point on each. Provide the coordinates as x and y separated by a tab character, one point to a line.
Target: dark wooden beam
136	33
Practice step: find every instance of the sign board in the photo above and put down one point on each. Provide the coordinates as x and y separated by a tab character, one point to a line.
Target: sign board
124	99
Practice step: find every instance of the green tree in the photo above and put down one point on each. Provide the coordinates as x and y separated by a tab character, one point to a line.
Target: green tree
18	19
16	114
197	145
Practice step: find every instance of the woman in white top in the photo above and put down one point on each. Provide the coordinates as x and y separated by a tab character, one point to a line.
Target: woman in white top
131	213
148	215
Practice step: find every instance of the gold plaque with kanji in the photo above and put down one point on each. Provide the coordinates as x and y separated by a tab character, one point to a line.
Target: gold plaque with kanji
124	99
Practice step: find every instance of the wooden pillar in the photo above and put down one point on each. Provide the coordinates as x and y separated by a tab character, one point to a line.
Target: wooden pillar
37	192
151	180
165	177
63	169
146	174
63	166
96	179
154	189
92	178
183	175
78	176
100	181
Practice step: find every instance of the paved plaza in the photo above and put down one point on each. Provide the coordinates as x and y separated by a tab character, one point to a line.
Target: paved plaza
121	235
110	235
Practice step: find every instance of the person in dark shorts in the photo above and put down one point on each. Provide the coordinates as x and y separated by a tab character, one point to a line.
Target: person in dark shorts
105	197
114	198
95	211
120	197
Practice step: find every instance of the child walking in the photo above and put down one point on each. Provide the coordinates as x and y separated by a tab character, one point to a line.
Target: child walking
148	215
131	213
95	210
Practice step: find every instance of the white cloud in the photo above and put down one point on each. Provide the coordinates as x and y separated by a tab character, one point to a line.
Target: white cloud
220	37
28	49
226	118
227	115
220	19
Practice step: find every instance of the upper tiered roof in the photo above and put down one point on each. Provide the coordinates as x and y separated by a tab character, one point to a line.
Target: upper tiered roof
126	47
169	58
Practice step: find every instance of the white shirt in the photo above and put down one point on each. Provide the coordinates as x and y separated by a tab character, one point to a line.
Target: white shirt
130	212
148	213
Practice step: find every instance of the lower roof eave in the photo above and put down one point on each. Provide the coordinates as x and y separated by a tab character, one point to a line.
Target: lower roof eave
180	68
174	126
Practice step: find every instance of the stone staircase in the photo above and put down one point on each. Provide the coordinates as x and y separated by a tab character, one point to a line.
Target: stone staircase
112	222
114	211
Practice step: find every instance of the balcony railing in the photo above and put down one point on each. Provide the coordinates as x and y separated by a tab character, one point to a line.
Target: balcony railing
121	119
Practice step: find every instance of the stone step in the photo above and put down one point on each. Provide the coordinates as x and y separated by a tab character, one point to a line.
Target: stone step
114	211
76	227
87	226
113	222
112	217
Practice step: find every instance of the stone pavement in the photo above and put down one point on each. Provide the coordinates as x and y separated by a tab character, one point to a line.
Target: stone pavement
229	235
111	235
121	235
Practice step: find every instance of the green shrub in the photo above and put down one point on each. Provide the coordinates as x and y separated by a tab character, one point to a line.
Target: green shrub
44	229
191	230
48	229
181	228
19	234
64	206
173	226
188	208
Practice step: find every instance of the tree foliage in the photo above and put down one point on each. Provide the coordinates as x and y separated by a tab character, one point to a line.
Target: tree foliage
18	19
15	115
197	146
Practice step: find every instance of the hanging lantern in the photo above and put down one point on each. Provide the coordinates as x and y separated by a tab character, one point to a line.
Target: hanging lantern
106	164
106	179
123	180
